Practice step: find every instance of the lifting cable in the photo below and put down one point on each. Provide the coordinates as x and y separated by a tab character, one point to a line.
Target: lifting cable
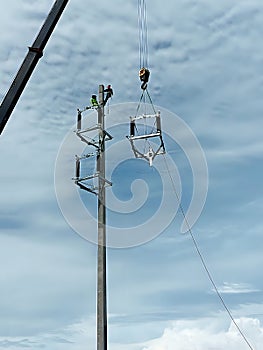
143	40
143	100
203	260
144	74
143	54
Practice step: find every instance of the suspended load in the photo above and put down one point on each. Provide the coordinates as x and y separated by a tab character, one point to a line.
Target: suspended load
146	136
145	127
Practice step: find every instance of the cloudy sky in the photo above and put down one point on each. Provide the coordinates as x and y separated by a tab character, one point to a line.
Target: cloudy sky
206	62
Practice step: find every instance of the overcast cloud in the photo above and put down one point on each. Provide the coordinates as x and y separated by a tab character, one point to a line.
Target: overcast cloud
206	63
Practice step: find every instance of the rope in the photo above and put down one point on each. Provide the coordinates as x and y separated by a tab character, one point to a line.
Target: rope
143	99
143	33
144	62
151	101
139	104
203	260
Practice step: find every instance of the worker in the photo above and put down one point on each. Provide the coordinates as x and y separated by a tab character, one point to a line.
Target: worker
93	101
109	94
144	75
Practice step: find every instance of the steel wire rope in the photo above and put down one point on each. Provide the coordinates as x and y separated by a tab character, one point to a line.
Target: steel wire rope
154	110
143	101
143	34
143	49
203	260
140	32
144	63
139	104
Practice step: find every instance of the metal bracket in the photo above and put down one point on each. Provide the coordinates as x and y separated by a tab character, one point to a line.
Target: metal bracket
81	182
91	141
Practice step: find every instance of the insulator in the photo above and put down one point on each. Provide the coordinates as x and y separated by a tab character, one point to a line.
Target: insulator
158	122
79	120
77	168
132	127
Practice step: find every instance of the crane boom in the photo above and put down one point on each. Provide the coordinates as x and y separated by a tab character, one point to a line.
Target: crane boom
27	67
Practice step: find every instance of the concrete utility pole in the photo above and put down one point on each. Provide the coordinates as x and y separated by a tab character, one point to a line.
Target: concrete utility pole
86	182
101	277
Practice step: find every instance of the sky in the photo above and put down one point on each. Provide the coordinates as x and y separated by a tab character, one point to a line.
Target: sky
206	63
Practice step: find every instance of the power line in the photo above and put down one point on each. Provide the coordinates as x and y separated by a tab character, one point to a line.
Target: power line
203	260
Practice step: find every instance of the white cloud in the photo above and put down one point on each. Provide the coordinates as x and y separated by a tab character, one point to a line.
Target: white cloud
196	334
236	288
183	336
73	337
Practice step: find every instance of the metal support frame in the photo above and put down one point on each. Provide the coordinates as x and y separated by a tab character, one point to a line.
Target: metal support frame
152	153
83	182
98	142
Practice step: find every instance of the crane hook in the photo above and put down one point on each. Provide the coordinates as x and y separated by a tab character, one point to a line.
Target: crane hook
144	75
